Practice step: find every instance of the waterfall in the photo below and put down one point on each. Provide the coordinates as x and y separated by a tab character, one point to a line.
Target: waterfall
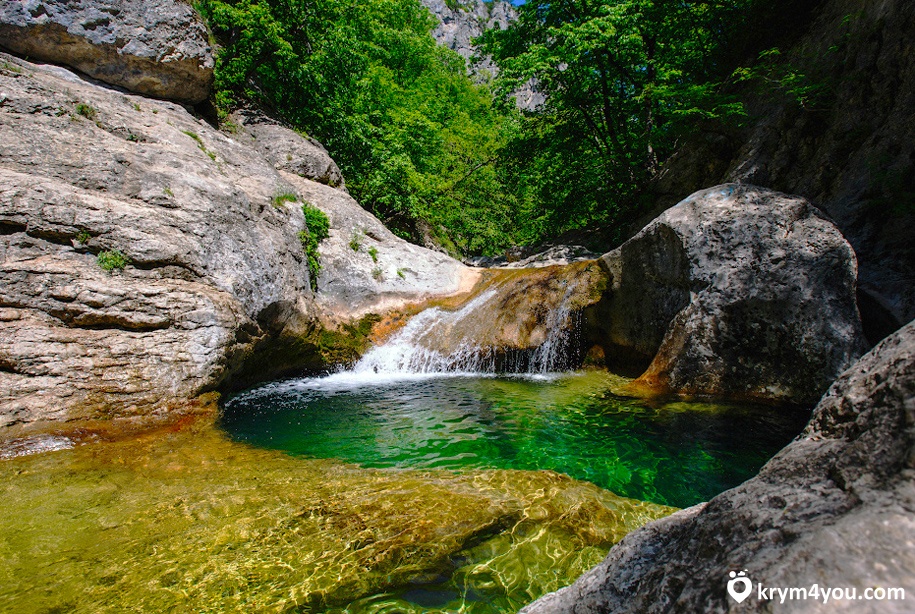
490	334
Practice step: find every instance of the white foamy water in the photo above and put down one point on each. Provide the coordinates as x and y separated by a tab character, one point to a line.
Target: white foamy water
437	343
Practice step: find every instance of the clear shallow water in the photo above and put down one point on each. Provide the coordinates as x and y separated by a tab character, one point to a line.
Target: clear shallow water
581	424
186	520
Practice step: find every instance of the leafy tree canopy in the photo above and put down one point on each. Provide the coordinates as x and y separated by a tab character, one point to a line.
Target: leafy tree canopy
415	138
624	80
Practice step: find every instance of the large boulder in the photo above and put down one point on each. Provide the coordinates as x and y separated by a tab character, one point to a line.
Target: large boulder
834	509
158	48
737	291
215	290
849	146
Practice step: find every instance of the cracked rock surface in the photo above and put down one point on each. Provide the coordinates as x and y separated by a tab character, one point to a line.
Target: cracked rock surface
216	270
158	48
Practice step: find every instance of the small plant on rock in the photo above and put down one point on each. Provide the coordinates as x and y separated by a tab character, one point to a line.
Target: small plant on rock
285	197
373	252
87	111
378	274
112	260
83	237
317	228
355	241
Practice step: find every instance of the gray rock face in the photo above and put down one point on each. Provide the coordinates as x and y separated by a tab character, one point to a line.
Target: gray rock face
834	508
850	152
366	268
288	151
459	26
217	276
737	291
154	48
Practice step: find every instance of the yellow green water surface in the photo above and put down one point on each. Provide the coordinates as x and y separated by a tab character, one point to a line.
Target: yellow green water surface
191	521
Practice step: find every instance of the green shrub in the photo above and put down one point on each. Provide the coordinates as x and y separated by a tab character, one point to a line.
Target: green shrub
373	252
83	237
317	228
286	197
87	111
355	241
112	260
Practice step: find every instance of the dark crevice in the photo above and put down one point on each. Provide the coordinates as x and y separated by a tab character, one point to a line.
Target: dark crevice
11	228
57	238
877	320
6	366
124	327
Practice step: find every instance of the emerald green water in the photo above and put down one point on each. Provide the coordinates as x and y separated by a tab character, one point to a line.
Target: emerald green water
416	495
581	425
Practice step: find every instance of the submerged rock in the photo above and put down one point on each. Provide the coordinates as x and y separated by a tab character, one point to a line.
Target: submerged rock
154	48
200	523
207	284
737	291
834	508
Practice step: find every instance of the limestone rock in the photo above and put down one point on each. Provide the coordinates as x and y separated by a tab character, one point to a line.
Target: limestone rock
850	150
516	321
834	508
737	291
287	150
365	267
216	286
154	48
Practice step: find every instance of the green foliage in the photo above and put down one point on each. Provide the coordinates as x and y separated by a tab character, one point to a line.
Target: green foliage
285	197
773	73
4	65
624	81
355	241
87	111
439	158
416	139
83	237
317	228
200	144
378	274
112	260
373	252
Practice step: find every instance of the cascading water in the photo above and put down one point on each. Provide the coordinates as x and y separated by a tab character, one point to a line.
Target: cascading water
462	341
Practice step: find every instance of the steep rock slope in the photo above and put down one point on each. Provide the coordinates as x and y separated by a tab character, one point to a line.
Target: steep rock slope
850	151
216	279
834	508
737	291
154	48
